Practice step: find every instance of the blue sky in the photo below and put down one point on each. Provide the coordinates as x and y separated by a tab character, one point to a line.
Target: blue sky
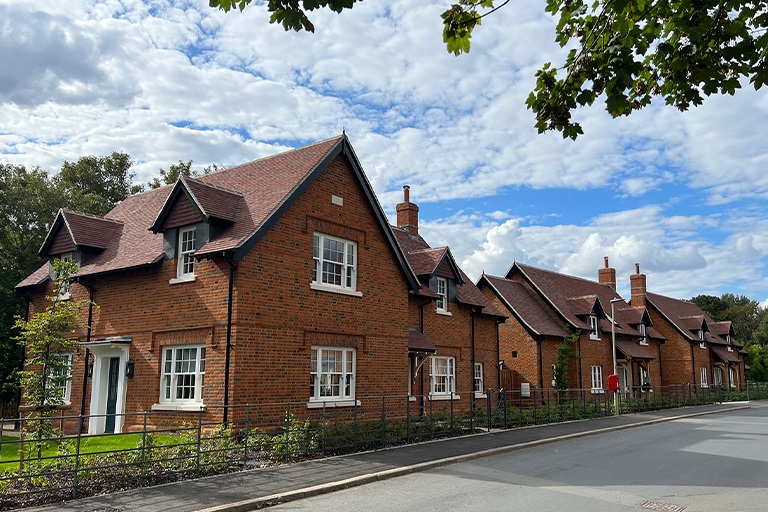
683	194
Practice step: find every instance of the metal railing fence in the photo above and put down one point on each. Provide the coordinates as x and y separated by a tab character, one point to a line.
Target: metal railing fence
157	447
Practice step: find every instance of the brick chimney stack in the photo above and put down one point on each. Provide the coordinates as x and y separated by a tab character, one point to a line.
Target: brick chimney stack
637	283
607	275
408	213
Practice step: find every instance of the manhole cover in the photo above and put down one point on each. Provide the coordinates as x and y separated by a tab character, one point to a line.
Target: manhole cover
661	507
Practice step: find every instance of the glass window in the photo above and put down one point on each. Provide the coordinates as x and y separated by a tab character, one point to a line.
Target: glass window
442	380
183	376
597	379
442	291
478	378
61	376
644	331
732	377
334	262
703	372
594	326
332	374
186	252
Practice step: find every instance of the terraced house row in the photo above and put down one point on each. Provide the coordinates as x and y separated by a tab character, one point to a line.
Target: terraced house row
281	280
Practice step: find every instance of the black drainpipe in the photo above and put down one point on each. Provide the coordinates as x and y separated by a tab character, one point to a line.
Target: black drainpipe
541	365
229	333
498	356
91	292
661	378
472	334
578	344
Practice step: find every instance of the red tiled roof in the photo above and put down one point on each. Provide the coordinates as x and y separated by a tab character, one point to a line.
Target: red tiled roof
728	357
214	201
582	305
425	261
687	317
91	230
263	188
418	342
633	350
525	306
559	288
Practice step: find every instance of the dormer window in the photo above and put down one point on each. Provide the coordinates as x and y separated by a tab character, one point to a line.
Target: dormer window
702	344
64	285
442	291
594	327
643	330
186	263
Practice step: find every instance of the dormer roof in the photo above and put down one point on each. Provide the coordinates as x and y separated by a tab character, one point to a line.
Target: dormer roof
688	319
208	201
74	231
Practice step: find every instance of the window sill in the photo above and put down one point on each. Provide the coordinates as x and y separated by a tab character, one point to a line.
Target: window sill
444	313
705	385
333	289
643	343
183	279
411	398
592	337
444	397
480	395
178	407
332	403
598	391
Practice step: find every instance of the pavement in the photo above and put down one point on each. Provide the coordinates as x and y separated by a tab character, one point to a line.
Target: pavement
258	488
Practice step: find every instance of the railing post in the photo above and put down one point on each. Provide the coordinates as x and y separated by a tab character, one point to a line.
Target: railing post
471	412
451	413
747	391
535	409
504	401
199	439
247	433
354	430
408	419
383	421
77	454
488	406
322	452
430	417
143	451
287	432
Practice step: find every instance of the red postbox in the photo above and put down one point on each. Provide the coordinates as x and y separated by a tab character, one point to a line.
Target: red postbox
613	382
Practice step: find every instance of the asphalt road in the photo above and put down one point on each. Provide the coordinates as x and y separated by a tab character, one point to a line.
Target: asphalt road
714	463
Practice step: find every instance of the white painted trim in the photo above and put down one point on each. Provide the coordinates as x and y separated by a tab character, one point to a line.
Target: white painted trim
444	397
178	407
326	288
184	279
480	395
333	403
100	387
444	313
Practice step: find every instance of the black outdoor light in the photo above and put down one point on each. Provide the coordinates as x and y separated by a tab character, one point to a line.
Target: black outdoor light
129	369
90	369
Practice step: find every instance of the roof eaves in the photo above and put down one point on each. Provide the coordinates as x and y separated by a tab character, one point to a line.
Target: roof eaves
57	221
192	196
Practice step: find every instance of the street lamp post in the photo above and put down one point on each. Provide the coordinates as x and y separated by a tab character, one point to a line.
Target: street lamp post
615	369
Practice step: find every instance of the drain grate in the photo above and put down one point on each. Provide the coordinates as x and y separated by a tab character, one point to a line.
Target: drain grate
661	507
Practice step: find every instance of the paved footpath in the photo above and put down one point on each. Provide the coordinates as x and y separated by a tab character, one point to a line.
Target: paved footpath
254	489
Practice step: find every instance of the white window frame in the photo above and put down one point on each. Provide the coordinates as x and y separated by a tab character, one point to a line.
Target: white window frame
186	264
643	375
594	325
171	370
717	376
442	383
66	385
703	376
554	374
702	343
344	370
732	377
597	379
644	331
347	282
477	381
63	291
442	302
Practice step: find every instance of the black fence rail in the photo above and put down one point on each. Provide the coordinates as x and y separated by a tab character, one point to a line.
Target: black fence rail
35	469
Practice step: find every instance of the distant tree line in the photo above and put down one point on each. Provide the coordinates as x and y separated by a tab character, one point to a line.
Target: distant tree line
29	201
750	323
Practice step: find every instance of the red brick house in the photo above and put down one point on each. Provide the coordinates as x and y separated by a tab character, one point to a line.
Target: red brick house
545	306
454	330
277	280
698	350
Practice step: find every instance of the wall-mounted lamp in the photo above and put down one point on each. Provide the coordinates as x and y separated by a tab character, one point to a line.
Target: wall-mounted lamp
90	369
129	369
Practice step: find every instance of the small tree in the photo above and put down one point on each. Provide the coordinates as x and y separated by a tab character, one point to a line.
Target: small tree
45	338
566	355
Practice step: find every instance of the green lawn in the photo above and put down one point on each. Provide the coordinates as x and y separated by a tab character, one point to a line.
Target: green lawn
89	444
